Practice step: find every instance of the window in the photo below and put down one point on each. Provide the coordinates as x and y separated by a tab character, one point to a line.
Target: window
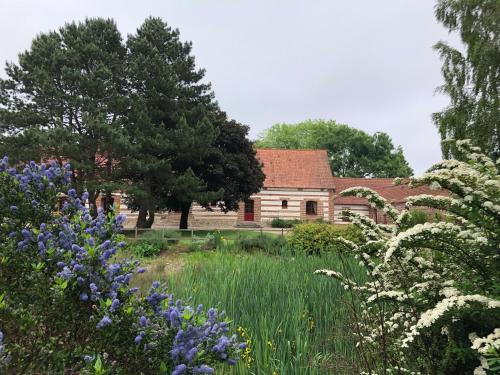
311	208
284	204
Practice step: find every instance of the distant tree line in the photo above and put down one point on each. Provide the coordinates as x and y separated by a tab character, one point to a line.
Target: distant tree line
352	152
134	115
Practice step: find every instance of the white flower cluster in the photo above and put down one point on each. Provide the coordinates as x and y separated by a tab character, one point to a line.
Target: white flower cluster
484	346
429	277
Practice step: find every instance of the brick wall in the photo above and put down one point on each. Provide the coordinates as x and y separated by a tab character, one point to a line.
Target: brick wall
319	205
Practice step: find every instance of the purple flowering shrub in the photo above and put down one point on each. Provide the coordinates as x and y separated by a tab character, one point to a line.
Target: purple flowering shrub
66	305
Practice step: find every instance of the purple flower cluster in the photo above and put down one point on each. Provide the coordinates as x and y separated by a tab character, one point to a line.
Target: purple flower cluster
79	249
79	243
195	331
38	176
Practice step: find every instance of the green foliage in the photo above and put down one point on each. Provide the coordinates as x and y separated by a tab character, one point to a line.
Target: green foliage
66	97
291	323
283	223
232	166
134	116
432	304
352	152
66	305
267	243
159	238
318	238
414	217
145	250
471	77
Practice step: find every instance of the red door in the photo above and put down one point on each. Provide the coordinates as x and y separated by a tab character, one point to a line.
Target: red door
248	214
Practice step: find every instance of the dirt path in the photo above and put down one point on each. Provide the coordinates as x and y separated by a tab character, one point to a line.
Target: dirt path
167	262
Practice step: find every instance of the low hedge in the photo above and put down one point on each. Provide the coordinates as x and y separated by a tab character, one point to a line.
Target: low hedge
315	238
284	223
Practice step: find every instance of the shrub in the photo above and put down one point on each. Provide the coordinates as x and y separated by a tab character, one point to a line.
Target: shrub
432	303
65	307
158	239
414	217
315	238
283	223
265	242
145	250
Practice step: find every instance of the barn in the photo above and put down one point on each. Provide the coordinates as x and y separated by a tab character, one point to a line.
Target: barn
385	187
298	185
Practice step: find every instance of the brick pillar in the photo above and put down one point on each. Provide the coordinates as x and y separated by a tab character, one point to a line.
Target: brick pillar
241	211
257	207
331	207
303	209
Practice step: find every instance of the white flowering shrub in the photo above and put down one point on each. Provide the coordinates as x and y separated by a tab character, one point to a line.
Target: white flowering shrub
431	303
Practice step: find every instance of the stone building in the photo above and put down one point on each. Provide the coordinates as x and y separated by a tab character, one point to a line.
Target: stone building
298	185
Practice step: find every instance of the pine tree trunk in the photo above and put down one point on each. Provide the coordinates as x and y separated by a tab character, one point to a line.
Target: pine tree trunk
151	218
146	217
185	208
92	204
142	217
108	201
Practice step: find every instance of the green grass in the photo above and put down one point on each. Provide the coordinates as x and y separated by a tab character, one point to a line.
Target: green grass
184	236
297	322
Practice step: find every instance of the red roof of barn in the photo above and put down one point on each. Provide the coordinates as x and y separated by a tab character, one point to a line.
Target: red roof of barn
384	186
308	169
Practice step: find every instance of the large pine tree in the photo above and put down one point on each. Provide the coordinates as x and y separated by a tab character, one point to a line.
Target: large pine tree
168	123
136	116
65	99
471	77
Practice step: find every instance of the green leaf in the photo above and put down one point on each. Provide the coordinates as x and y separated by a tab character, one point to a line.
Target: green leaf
99	370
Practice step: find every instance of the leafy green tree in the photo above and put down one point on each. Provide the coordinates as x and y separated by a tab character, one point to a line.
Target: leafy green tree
472	76
65	100
352	152
232	165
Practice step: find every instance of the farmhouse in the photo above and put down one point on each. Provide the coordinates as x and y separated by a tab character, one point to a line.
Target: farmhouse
298	185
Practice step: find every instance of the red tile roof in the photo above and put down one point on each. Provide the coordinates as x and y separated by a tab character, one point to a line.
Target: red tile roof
308	169
384	186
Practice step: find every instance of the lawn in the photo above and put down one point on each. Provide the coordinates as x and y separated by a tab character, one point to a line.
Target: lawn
294	322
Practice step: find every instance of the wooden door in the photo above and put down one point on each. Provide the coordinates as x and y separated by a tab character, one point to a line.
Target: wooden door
249	212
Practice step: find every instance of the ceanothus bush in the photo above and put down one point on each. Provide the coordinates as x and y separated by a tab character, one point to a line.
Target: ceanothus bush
431	304
65	302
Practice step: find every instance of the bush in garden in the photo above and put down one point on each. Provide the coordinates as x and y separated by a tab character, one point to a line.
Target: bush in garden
267	243
283	223
316	238
144	249
66	307
431	305
159	238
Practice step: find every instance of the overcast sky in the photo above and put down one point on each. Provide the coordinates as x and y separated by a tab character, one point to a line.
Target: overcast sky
368	64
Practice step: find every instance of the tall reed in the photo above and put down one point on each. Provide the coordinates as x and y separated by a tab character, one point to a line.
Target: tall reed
295	322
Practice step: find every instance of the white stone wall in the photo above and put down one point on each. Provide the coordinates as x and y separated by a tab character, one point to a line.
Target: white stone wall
358	208
271	200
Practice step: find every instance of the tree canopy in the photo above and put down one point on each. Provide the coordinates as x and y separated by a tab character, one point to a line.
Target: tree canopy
352	152
65	99
135	116
471	75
